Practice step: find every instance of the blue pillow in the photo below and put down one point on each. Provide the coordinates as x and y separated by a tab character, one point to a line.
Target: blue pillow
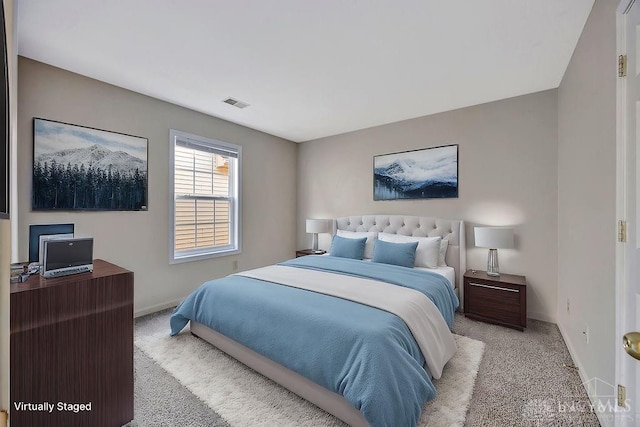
403	254
347	248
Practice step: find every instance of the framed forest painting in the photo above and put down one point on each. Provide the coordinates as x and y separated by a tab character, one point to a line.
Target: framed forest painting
81	168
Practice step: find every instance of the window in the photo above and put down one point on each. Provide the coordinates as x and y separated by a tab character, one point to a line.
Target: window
205	185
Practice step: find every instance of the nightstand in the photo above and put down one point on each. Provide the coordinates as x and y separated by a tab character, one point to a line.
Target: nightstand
305	252
501	300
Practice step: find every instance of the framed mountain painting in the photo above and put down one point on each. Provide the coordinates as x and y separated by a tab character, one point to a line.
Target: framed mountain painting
430	173
81	168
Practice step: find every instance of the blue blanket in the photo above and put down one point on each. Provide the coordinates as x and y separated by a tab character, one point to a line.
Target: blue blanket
437	287
365	354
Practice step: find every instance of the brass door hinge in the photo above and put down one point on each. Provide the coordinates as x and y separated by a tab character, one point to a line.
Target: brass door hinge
622	65
622	231
622	395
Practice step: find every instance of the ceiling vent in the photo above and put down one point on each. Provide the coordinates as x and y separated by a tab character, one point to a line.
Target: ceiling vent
236	103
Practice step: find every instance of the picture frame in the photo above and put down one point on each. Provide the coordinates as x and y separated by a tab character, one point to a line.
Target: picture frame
82	168
427	173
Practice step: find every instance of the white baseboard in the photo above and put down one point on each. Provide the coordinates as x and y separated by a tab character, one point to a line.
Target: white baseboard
604	421
539	315
157	307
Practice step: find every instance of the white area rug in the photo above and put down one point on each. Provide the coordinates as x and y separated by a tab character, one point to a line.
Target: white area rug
245	398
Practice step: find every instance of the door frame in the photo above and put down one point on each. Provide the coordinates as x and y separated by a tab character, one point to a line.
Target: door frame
625	368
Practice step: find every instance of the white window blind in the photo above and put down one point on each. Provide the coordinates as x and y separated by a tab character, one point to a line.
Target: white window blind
205	193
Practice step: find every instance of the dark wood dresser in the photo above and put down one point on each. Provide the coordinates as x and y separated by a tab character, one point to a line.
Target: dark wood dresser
501	300
72	349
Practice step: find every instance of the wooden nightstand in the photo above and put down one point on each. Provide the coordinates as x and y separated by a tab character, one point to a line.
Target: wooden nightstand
305	252
501	300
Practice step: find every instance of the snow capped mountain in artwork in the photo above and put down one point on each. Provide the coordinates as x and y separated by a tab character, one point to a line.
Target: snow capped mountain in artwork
82	168
97	157
430	173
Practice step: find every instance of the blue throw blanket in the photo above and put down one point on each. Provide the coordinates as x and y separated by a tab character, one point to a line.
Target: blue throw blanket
365	354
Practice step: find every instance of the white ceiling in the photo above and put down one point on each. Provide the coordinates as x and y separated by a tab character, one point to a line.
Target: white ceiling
310	68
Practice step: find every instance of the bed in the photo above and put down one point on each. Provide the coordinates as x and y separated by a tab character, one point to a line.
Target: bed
358	339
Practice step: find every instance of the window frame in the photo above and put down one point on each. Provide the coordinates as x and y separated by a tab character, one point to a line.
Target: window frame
235	215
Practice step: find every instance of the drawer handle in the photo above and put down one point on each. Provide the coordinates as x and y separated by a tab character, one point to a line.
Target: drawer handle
494	287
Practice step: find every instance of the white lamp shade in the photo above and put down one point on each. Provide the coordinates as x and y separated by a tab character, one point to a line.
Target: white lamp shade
317	226
493	237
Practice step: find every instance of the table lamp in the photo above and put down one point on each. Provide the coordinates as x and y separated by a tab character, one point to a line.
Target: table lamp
493	238
316	226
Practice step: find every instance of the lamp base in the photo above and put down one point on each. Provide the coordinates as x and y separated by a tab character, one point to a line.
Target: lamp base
492	263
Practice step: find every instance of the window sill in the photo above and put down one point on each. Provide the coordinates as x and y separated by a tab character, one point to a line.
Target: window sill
200	257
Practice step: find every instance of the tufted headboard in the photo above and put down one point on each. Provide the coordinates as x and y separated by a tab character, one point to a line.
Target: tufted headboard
420	226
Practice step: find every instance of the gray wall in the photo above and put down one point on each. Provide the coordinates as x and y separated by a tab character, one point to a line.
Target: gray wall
507	176
587	196
139	241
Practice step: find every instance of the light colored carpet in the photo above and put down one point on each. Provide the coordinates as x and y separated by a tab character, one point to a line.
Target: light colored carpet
243	397
525	378
161	401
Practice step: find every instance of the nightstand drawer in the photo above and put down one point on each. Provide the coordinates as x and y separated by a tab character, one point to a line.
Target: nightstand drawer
305	252
505	296
501	300
502	304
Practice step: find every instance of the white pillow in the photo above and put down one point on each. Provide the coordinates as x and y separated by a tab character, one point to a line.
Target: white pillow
427	252
368	246
444	244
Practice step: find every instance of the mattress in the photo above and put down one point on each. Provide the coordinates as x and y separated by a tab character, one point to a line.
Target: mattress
448	272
